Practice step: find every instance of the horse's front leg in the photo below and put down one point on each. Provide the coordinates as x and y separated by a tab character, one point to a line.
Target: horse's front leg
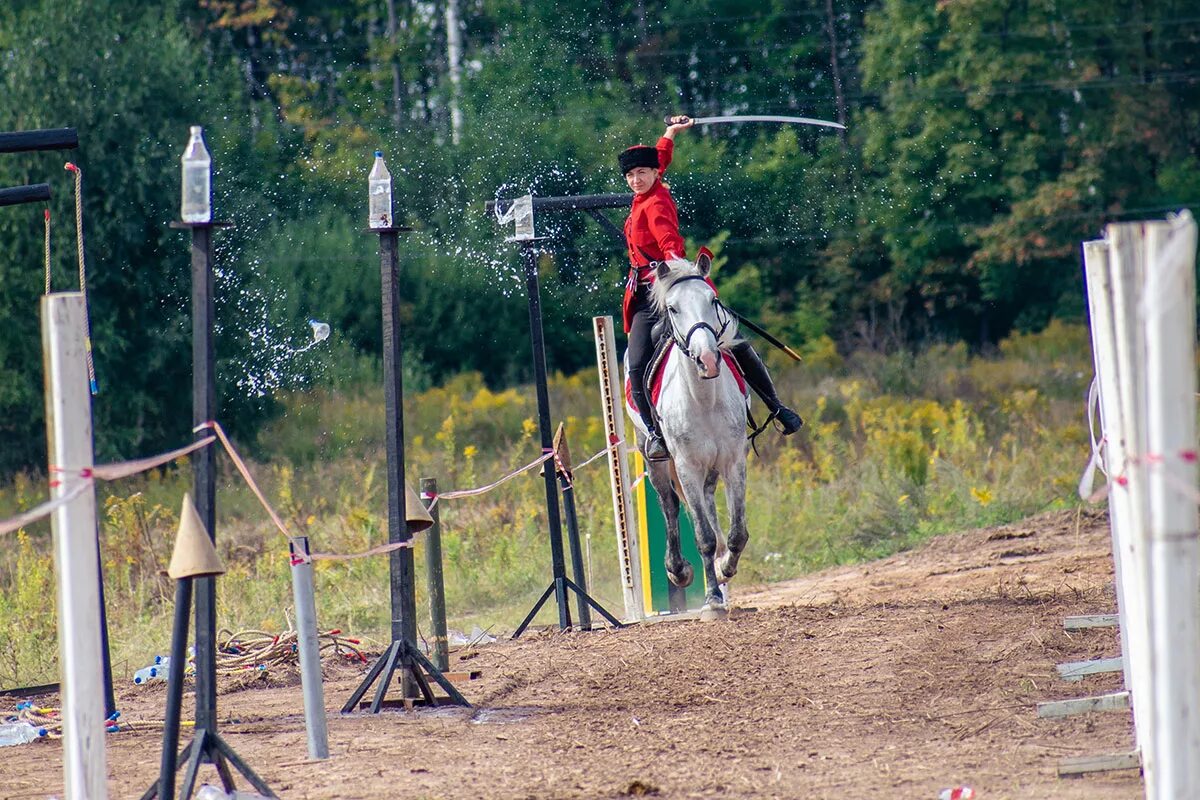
735	499
699	492
679	571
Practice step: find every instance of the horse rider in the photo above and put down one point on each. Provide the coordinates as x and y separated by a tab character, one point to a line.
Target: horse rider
652	236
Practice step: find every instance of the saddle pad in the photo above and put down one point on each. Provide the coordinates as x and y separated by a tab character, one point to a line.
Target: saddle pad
656	376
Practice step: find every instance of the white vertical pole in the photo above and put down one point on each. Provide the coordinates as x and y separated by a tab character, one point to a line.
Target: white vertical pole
1129	470
308	643
1169	315
69	434
611	396
1100	313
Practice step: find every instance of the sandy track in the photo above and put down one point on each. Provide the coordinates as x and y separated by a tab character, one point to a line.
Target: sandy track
894	679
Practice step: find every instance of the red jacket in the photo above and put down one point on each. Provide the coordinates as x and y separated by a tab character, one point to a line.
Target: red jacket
651	231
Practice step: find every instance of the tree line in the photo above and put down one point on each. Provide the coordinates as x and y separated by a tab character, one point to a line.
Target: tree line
985	140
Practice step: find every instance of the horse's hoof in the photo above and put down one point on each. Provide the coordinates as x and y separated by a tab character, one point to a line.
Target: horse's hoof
684	578
711	612
723	570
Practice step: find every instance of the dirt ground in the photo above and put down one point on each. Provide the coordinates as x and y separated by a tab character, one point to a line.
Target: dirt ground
894	679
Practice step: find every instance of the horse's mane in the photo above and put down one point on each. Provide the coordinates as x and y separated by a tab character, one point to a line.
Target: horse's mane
680	268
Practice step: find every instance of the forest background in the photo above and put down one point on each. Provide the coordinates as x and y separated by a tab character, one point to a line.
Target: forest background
985	141
926	262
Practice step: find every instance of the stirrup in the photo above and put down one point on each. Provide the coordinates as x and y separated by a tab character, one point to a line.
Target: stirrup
789	420
656	448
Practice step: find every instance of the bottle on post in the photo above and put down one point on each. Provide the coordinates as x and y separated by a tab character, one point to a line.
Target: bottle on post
196	205
379	185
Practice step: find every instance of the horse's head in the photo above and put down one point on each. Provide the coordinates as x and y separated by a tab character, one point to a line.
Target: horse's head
698	322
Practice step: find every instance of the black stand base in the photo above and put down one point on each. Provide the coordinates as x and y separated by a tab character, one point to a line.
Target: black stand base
414	666
560	586
209	748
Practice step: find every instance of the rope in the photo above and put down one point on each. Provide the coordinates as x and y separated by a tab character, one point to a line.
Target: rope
46	249
87	327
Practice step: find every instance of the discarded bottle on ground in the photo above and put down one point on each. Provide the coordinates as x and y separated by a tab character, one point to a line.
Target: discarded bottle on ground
20	732
146	673
197	172
379	185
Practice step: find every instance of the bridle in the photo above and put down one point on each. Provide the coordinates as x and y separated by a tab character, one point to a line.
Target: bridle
683	342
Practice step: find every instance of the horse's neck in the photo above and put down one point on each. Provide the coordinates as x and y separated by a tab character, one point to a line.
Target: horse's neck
681	375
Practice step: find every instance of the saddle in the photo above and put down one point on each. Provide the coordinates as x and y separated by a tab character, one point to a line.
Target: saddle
663	343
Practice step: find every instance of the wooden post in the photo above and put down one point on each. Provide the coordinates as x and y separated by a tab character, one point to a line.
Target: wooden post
1168	311
434	577
69	433
628	548
1129	472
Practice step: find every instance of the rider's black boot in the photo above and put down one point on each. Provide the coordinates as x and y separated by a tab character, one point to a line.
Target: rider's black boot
656	448
760	380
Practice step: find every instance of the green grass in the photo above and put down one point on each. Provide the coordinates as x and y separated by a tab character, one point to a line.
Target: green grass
897	448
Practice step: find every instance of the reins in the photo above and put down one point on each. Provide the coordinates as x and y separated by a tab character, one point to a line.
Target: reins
684	342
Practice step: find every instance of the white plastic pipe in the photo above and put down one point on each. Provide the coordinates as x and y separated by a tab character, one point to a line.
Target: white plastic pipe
310	650
1104	357
1169	316
69	434
1126	272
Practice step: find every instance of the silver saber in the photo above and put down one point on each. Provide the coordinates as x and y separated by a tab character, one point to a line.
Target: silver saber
765	118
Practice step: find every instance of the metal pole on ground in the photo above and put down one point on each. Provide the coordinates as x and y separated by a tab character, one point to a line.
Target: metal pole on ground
310	649
560	583
435	582
563	467
403	653
1168	311
554	524
69	431
206	746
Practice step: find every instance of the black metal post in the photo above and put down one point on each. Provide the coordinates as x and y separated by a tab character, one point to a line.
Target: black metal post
110	701
206	746
44	139
560	582
578	570
204	464
15	195
435	581
179	637
403	653
537	340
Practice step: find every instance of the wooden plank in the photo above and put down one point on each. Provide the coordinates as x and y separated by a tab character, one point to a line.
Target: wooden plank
1078	670
1090	621
1117	701
1081	765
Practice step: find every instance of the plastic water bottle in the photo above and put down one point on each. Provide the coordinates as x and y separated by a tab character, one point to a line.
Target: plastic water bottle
19	733
379	185
196	204
145	673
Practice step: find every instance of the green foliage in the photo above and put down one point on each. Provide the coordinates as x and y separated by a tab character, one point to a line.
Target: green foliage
896	448
985	141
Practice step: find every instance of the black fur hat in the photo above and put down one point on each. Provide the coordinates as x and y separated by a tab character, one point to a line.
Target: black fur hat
640	155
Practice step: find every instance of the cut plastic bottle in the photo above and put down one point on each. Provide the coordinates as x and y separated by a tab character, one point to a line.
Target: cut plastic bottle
196	204
379	185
